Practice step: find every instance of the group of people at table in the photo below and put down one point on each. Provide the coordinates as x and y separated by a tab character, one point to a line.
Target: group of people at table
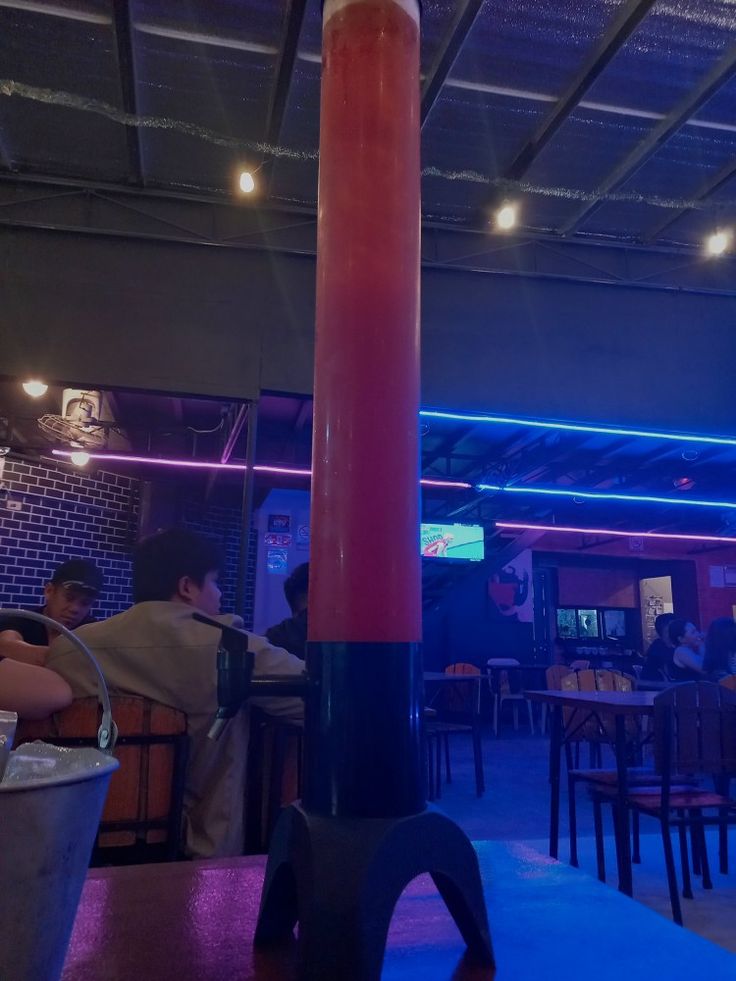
680	652
157	650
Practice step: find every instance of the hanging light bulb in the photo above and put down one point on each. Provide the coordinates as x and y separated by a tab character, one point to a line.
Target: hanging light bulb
35	388
246	182
79	458
718	242
506	216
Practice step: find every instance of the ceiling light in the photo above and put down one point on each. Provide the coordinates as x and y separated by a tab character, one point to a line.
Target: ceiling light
718	242
79	458
35	388
246	182
506	217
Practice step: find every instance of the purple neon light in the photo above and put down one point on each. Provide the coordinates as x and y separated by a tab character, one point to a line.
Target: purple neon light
214	465
517	526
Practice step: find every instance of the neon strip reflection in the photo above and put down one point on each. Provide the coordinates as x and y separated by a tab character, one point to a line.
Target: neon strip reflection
515	526
213	465
607	496
574	427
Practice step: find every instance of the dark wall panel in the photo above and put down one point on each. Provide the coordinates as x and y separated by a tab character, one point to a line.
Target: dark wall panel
226	322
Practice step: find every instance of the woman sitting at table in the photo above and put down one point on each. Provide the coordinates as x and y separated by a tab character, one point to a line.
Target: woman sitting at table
720	649
686	658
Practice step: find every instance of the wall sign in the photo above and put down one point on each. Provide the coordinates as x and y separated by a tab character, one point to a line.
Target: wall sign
279	523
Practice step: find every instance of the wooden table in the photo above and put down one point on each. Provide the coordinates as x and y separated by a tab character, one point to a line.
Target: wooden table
616	704
194	921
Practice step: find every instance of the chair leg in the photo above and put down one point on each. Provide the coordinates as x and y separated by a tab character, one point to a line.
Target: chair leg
531	716
438	768
543	718
448	772
515	707
600	853
697	819
635	852
495	714
669	859
695	848
572	820
687	889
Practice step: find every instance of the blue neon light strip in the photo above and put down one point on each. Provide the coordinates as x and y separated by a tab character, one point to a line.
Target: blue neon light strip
607	496
575	427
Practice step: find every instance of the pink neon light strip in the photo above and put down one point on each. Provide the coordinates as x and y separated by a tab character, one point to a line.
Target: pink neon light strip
514	526
213	465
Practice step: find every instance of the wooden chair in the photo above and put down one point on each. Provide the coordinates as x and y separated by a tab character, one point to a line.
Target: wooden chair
553	679
581	725
499	683
143	810
274	775
729	682
694	734
454	705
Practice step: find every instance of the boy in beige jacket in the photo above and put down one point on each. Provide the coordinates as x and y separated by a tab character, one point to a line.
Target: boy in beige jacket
157	650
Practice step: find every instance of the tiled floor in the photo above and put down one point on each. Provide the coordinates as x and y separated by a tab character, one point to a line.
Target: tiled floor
516	807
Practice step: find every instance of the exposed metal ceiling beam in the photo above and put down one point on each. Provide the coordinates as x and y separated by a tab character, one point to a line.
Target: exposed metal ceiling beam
293	19
462	22
620	30
710	186
123	32
715	79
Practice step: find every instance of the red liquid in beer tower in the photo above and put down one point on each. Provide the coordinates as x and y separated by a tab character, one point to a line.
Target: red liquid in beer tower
364	562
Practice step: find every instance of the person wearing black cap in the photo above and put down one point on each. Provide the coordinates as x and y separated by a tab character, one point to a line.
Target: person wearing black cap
68	599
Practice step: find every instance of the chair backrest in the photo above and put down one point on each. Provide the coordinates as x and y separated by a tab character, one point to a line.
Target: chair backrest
145	797
695	729
579	665
460	699
729	682
498	679
554	675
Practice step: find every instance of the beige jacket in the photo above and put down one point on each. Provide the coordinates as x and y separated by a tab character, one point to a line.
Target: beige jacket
158	651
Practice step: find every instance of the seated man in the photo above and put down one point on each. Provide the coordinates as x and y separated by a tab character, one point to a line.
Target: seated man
68	598
157	650
291	634
659	652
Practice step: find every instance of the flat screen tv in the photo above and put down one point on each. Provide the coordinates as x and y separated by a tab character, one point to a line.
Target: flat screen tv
567	623
441	541
588	623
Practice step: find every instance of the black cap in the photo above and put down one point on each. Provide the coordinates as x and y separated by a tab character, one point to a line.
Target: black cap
81	573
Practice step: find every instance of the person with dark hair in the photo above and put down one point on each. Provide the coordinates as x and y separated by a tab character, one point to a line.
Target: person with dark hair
157	650
659	652
686	658
291	634
68	599
720	648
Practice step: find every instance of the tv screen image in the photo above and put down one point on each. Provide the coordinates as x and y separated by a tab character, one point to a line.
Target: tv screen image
441	541
567	623
588	623
614	623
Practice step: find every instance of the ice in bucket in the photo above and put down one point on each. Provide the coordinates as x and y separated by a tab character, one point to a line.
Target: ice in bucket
51	799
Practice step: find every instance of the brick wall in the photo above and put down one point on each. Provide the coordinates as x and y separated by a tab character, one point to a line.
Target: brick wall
223	525
49	514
